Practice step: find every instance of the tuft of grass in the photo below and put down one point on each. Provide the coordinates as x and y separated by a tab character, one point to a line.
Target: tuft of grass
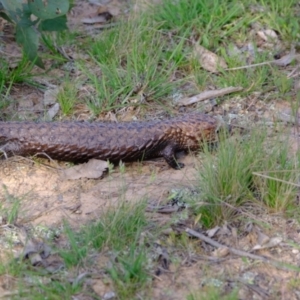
213	293
227	177
282	17
67	97
10	209
211	21
56	290
31	282
283	83
39	287
128	272
12	75
134	61
76	251
118	227
277	180
232	178
50	41
251	79
119	230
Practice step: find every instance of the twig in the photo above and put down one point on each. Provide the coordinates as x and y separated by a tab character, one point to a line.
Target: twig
218	245
283	61
208	95
260	291
242	253
251	66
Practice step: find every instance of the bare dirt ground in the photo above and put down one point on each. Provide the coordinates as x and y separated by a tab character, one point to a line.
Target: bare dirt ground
47	198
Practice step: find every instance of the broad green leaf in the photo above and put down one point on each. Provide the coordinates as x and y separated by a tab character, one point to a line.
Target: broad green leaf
11	4
48	9
57	24
25	22
28	38
13	8
5	16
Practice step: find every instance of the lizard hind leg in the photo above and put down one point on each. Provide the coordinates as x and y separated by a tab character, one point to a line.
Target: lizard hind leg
169	155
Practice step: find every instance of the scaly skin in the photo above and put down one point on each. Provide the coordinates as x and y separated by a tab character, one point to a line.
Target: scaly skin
126	141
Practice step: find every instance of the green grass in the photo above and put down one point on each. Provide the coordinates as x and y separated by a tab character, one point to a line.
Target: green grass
10	207
144	62
281	17
118	228
233	176
133	60
278	190
212	293
129	274
67	97
203	18
226	176
147	57
10	76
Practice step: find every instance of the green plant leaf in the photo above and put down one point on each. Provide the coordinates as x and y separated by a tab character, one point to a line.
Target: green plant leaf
5	16
57	24
13	8
49	9
28	38
11	4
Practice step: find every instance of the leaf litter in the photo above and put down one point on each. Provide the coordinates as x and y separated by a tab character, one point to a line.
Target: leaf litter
46	199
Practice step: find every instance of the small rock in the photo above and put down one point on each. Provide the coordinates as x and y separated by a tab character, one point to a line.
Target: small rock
109	295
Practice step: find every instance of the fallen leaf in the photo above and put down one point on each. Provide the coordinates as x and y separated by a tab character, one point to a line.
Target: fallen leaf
285	60
34	251
272	243
109	295
209	60
220	252
213	231
52	112
225	230
163	257
267	35
94	168
262	238
50	96
101	287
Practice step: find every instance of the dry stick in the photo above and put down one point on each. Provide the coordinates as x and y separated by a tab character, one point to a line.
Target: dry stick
260	291
208	95
251	66
218	245
283	61
236	251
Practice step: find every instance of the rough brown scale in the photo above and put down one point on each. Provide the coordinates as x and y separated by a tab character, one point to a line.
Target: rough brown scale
127	141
